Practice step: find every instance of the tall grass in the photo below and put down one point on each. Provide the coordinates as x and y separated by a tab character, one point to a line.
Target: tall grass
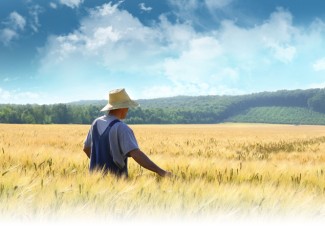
230	169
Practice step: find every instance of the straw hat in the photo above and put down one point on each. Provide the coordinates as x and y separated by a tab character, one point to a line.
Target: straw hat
118	99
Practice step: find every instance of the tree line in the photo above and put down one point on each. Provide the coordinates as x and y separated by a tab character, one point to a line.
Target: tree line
177	110
48	114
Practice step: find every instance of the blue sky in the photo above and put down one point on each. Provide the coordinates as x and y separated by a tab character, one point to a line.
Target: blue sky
67	50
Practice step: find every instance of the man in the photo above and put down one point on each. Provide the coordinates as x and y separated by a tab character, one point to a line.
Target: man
110	141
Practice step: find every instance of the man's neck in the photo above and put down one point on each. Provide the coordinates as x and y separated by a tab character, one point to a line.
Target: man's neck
119	113
114	115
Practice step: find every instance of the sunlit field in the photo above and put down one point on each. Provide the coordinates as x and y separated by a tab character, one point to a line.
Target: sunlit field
235	170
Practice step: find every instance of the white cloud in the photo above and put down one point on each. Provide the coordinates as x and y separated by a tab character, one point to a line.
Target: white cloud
176	36
143	7
16	96
285	54
214	62
53	5
185	11
190	11
233	52
105	10
317	85
280	22
228	73
7	35
274	37
34	13
188	90
4	95
319	65
16	21
71	3
14	24
7	79
186	5
196	64
102	36
113	36
213	4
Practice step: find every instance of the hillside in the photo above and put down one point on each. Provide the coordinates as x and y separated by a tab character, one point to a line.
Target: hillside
290	107
285	107
287	115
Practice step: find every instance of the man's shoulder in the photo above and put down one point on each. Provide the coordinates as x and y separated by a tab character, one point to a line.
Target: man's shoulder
103	118
122	126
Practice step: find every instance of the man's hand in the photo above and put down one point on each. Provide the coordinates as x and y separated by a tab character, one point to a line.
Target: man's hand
167	174
87	150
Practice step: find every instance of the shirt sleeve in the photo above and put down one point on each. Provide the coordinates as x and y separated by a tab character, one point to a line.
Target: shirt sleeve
127	139
87	142
122	141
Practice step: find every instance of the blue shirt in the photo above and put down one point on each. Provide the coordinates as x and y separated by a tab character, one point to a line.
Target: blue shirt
121	138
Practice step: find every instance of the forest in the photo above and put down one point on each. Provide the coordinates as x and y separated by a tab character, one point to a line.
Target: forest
283	107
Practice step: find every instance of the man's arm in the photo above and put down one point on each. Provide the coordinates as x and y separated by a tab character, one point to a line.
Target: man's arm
87	151
142	159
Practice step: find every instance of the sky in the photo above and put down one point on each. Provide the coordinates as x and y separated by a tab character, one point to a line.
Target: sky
68	50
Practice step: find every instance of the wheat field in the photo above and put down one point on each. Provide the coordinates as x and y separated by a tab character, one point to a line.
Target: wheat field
235	170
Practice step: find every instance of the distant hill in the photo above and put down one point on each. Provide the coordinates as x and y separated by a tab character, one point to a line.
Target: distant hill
285	106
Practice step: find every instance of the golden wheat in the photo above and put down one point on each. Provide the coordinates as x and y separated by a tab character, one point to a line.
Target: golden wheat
229	169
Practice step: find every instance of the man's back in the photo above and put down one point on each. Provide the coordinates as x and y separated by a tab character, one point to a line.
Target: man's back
101	157
110	141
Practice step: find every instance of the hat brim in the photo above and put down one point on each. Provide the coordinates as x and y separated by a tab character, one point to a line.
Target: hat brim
129	104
